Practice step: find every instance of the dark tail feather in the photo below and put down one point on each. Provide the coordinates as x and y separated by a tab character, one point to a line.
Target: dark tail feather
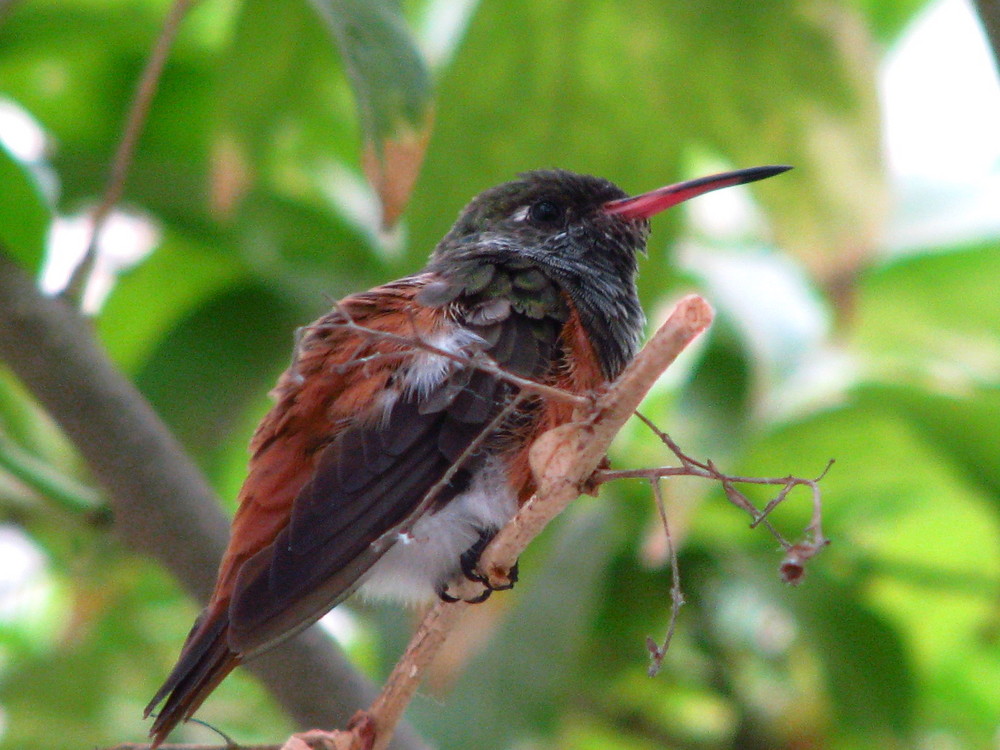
204	661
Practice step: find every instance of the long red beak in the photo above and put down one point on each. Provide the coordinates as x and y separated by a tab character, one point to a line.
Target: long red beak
646	205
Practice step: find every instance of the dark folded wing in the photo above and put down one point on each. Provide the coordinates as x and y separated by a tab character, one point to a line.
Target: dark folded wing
368	481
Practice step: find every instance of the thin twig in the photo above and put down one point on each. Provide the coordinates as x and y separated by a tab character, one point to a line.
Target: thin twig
478	361
796	555
408	673
134	123
658	652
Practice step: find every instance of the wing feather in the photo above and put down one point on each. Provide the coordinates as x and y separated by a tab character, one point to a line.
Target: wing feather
367	481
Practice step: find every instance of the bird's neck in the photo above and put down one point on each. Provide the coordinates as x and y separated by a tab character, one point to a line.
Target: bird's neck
605	300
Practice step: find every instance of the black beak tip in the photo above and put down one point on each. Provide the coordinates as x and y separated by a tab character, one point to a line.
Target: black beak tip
762	173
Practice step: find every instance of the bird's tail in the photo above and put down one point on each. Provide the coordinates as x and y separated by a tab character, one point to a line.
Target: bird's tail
204	661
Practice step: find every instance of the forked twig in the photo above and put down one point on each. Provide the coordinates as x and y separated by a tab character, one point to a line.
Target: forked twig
656	651
796	555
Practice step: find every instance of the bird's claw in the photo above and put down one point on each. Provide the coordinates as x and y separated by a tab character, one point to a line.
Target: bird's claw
469	564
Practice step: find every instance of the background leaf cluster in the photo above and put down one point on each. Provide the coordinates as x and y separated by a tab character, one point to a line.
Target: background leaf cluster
827	345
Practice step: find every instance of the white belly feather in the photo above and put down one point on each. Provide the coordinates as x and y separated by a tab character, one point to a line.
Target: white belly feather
417	566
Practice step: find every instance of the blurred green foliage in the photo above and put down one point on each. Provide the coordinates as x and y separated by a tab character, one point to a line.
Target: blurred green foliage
249	170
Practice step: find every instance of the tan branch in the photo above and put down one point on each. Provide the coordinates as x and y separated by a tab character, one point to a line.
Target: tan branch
563	460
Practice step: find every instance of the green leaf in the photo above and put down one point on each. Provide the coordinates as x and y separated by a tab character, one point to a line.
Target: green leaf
178	277
279	94
931	319
392	87
631	91
388	72
914	541
24	213
216	362
713	411
889	18
305	249
869	671
963	426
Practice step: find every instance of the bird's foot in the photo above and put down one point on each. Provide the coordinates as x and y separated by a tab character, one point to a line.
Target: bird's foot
493	580
445	595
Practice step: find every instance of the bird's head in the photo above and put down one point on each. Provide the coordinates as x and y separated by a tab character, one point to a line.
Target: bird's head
562	220
582	232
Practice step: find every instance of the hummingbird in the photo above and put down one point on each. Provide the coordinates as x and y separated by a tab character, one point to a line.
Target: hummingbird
391	456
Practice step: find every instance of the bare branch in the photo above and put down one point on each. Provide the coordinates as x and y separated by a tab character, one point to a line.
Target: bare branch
134	123
406	676
796	555
562	460
658	652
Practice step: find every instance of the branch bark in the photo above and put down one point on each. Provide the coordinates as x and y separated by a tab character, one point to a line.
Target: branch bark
156	492
563	461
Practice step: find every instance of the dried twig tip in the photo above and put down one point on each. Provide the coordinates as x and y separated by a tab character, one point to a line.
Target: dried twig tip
793	566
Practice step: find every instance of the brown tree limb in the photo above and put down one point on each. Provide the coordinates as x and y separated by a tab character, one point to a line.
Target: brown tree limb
157	494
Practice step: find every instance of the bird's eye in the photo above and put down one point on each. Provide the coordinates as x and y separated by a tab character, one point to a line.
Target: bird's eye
545	212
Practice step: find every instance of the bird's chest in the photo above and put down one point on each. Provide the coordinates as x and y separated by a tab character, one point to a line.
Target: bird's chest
422	561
